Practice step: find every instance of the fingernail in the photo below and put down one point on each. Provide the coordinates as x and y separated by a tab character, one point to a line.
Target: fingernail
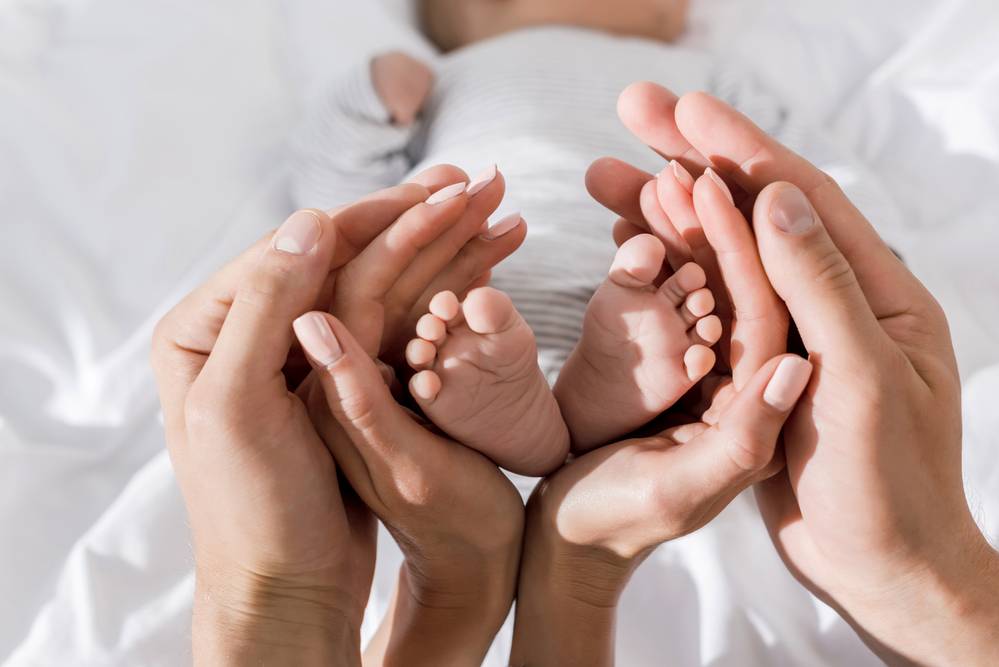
683	176
299	233
503	227
479	183
444	194
317	339
790	211
787	383
713	175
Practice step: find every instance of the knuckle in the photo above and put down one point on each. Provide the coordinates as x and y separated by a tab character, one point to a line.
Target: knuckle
266	285
831	271
748	451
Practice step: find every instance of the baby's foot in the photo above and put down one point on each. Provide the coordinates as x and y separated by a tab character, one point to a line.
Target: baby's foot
642	347
479	381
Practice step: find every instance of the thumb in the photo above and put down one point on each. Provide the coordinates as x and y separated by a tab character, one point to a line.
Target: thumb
813	277
378	430
739	449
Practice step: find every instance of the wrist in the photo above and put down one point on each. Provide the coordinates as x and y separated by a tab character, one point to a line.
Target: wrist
437	620
943	611
567	597
246	618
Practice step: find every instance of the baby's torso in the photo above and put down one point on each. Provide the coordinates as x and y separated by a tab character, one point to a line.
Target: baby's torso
541	104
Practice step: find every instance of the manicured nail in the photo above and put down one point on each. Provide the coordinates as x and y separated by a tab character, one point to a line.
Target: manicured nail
299	233
713	175
318	339
444	194
503	227
479	183
683	176
790	211
787	383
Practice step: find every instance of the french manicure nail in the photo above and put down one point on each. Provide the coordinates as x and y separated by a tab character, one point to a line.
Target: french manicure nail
713	175
683	176
318	339
444	194
480	182
787	383
503	227
791	212
298	234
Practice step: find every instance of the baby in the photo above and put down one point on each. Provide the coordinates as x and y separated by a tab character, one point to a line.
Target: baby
532	85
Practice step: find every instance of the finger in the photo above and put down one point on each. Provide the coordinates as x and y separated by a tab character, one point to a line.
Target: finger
472	266
254	340
815	280
618	186
624	230
726	458
678	251
185	336
439	177
489	189
372	432
760	321
647	110
360	223
677	202
362	287
745	153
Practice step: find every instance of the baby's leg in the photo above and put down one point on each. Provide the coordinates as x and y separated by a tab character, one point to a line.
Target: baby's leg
643	347
479	381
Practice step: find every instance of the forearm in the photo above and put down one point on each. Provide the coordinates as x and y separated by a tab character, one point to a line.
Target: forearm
448	617
947	614
240	620
566	600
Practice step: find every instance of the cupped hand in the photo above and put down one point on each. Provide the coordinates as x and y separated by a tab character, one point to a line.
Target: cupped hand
282	557
454	514
871	513
593	521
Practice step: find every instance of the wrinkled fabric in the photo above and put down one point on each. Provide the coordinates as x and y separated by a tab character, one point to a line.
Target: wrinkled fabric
144	144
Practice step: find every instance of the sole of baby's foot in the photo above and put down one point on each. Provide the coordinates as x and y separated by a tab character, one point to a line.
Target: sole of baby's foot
643	347
478	380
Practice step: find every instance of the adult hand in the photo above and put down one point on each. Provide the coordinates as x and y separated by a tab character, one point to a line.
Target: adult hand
591	523
454	514
283	560
871	513
456	517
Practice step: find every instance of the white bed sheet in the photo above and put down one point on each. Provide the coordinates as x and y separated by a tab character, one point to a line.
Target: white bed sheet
141	144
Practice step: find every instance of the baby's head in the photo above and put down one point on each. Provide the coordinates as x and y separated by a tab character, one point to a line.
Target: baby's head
452	24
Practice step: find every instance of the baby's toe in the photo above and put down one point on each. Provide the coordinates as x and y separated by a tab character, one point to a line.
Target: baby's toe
445	305
425	386
431	328
698	361
638	262
707	330
688	278
489	311
698	304
420	353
